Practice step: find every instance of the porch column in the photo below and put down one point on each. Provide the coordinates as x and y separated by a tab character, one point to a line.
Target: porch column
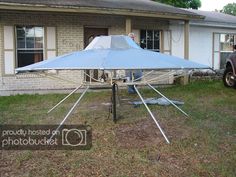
186	39
128	25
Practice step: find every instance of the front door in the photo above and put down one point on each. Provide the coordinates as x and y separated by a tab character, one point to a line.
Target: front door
89	35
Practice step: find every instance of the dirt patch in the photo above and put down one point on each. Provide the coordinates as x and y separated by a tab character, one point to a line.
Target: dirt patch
141	134
145	133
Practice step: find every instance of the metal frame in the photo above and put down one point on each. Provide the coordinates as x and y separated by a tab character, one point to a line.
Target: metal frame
144	75
69	113
134	81
167	99
54	107
149	111
114	85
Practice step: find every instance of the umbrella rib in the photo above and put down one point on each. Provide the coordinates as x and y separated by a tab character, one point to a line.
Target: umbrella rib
171	102
54	107
149	111
69	113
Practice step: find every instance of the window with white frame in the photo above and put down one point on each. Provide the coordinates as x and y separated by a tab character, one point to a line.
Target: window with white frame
150	39
29	45
227	42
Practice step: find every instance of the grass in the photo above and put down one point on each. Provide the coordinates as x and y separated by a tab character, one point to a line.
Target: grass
202	145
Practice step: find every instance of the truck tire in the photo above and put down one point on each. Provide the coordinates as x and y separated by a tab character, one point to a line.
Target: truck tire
227	80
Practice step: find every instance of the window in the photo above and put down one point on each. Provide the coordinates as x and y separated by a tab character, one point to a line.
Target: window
150	39
227	42
29	44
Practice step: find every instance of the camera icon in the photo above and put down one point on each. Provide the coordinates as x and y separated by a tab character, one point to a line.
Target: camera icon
74	137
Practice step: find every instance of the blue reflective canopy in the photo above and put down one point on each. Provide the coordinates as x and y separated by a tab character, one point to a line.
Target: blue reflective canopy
116	52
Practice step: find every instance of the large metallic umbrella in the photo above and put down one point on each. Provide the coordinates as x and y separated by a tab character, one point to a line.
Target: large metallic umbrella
114	53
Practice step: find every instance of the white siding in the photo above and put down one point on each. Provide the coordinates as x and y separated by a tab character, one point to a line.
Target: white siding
167	42
177	40
200	44
216	50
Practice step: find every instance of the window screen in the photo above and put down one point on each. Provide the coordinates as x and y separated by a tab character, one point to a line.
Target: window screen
29	44
227	42
150	39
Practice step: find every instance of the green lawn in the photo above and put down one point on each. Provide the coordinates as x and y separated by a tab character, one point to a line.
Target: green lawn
202	145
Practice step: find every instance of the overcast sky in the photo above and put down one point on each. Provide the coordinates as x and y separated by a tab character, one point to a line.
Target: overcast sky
211	5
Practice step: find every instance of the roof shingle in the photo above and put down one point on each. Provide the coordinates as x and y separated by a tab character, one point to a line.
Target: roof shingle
215	17
139	5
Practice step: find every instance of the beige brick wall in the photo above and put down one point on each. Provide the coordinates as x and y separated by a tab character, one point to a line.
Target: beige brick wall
70	34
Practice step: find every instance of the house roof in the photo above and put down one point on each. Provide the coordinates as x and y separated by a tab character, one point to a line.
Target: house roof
146	6
212	17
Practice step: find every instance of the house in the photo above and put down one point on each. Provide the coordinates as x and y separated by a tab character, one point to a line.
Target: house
211	39
32	31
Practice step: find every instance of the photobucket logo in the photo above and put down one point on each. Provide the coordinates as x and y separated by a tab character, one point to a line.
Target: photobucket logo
9	141
45	137
74	137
